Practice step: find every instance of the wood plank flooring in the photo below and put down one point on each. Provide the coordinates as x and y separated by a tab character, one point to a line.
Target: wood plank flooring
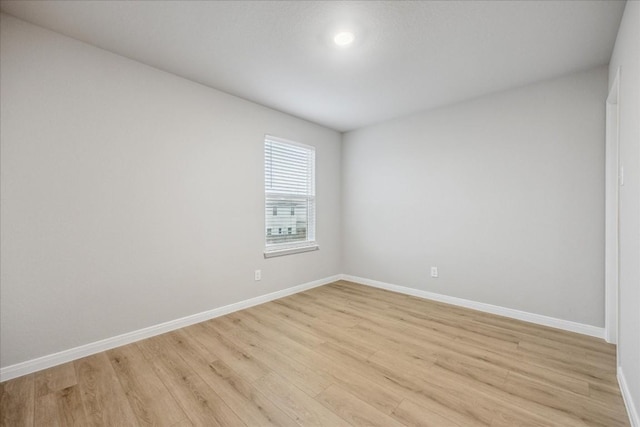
338	355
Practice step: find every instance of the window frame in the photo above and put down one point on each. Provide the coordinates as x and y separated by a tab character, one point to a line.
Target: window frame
287	248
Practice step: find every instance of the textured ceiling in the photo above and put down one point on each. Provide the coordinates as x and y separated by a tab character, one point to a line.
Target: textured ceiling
408	56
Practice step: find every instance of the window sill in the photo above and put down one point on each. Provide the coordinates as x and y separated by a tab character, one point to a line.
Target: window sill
270	253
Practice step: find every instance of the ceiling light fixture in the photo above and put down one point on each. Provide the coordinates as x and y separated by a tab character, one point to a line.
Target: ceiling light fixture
344	38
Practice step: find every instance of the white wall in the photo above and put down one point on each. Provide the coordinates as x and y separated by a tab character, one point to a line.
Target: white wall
117	185
504	194
626	56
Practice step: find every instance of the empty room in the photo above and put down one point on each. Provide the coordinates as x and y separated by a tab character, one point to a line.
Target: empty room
320	213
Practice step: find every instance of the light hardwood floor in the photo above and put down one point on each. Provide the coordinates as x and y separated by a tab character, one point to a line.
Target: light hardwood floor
339	355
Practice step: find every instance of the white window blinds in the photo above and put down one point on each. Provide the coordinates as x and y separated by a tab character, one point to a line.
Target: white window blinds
289	184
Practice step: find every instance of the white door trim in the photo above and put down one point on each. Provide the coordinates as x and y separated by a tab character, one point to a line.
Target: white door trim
612	175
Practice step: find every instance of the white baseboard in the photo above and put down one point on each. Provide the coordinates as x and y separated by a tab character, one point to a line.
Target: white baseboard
539	319
34	365
634	419
40	363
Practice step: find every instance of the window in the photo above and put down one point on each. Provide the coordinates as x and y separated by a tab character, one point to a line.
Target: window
289	186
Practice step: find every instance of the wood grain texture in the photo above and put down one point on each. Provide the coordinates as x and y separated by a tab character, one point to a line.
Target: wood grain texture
148	396
199	401
103	399
338	355
61	408
17	401
55	379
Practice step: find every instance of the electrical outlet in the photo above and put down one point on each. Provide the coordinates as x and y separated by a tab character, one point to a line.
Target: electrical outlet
258	275
434	271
